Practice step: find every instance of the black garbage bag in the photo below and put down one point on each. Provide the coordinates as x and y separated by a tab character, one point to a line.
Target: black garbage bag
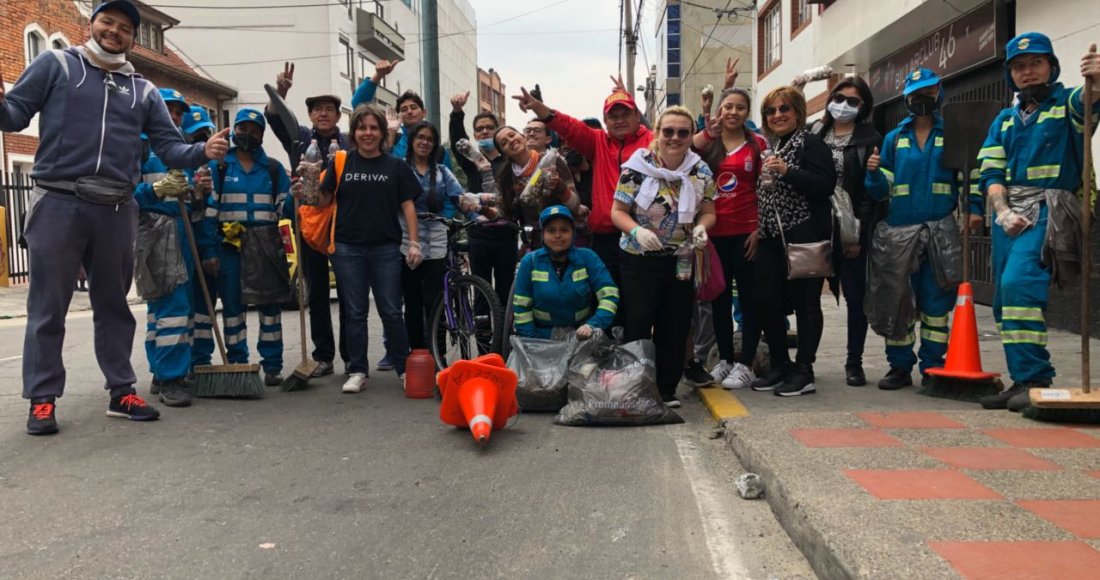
265	274
158	262
542	367
614	385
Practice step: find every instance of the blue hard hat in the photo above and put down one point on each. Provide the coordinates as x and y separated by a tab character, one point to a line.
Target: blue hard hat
920	79
124	6
197	119
1030	43
554	211
250	116
173	96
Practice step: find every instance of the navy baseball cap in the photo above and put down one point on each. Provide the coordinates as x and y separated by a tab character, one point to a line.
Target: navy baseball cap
553	212
1030	43
250	116
123	6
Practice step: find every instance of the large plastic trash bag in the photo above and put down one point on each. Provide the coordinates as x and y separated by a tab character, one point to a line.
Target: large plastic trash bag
265	275
541	365
158	262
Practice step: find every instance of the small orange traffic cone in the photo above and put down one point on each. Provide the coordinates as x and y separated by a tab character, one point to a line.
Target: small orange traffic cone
479	394
964	358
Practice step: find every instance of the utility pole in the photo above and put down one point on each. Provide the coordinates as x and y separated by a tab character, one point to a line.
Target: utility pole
631	43
429	59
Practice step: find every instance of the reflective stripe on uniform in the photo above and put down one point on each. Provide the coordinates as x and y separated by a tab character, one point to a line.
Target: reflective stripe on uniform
908	340
235	338
172	322
582	314
580	274
1044	172
996	151
150	335
607	292
270	336
270	320
522	301
165	340
1022	313
234	198
888	174
1005	125
941	188
994	163
901	189
264	216
933	335
203	333
1053	113
541	315
263	199
933	320
903	143
201	318
211	212
938	142
609	306
234	321
231	216
524	317
540	276
1024	337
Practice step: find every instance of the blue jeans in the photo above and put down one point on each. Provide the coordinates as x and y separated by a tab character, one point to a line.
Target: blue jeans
361	270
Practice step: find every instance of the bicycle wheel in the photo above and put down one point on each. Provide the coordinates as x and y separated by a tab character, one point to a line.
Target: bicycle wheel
468	325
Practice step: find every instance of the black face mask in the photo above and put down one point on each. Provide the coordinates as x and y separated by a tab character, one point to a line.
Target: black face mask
922	105
1035	94
246	142
199	137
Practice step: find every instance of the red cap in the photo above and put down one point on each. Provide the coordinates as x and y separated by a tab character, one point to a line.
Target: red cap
619	98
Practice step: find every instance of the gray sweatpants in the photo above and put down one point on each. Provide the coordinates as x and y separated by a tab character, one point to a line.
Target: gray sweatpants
702	330
63	233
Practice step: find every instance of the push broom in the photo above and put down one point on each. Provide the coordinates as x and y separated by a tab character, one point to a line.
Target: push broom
224	380
1075	405
299	379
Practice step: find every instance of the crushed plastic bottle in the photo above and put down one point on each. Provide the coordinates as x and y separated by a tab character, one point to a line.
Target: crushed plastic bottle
309	169
538	186
685	255
333	147
767	178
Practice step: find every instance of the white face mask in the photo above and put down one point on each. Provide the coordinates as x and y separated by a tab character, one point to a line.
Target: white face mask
107	57
843	112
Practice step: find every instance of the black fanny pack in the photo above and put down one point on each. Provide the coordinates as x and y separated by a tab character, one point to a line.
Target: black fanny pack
96	189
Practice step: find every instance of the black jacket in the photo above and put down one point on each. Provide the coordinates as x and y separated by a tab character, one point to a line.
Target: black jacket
860	147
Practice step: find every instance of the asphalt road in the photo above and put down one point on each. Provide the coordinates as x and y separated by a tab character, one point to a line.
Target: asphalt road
324	485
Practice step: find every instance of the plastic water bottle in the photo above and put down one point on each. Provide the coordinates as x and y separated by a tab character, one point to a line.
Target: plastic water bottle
684	256
310	171
333	147
766	177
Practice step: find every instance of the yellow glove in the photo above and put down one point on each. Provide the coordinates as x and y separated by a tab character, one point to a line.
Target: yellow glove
232	232
172	185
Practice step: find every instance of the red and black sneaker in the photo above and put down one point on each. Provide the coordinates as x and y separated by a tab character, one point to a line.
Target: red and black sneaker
42	419
131	407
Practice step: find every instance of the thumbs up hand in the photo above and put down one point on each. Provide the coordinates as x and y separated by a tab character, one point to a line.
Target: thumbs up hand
874	161
217	146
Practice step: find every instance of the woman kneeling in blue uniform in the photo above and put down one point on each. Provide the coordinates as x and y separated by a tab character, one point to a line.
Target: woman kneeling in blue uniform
562	286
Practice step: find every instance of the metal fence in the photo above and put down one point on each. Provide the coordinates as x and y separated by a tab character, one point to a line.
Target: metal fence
16	188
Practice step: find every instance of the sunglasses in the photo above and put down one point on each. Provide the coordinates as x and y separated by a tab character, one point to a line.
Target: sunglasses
852	101
784	109
669	133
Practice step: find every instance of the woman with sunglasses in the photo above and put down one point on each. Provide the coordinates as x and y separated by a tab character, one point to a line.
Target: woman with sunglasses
733	153
664	200
852	140
802	178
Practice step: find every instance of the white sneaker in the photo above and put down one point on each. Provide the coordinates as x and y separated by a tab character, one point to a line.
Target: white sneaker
356	382
739	377
721	370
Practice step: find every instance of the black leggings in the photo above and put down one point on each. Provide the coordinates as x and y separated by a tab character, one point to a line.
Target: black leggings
656	305
777	296
422	288
853	282
735	266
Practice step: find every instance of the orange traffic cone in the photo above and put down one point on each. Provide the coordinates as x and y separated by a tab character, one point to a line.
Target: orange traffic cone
964	358
479	394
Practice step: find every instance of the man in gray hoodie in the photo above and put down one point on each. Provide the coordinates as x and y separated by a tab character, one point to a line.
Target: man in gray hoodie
92	109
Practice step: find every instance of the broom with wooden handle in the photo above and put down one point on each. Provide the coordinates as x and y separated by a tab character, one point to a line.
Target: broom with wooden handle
299	379
1076	405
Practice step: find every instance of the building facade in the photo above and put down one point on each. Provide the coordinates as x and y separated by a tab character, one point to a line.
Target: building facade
490	94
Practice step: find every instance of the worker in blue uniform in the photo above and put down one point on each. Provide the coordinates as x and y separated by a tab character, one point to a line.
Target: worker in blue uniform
170	317
196	124
560	285
1031	172
923	194
249	188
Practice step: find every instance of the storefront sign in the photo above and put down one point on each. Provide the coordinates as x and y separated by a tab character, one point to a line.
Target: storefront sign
966	42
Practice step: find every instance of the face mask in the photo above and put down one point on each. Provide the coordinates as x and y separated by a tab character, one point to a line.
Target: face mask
1035	94
843	112
922	105
486	145
107	57
246	142
199	137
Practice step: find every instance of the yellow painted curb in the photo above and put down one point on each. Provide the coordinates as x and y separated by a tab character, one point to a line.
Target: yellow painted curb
722	404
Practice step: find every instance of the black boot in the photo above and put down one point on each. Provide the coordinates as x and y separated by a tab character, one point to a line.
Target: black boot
1000	400
854	376
896	379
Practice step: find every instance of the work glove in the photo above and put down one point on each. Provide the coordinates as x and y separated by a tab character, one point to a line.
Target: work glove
647	240
172	185
1012	222
413	258
584	332
699	236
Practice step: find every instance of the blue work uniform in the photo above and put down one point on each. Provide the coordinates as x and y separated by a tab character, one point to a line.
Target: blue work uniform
583	294
250	200
920	190
170	318
1042	150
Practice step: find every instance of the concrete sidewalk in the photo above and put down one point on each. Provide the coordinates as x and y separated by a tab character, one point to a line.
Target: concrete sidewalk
877	484
13	301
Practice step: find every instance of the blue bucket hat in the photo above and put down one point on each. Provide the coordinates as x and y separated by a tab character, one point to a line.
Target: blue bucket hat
197	119
123	6
920	79
250	116
1030	43
553	212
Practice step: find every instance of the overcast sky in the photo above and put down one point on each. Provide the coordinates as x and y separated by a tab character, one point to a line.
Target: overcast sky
569	47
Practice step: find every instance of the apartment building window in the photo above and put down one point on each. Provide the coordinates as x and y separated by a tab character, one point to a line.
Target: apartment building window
349	60
34	43
150	35
672	50
770	37
801	14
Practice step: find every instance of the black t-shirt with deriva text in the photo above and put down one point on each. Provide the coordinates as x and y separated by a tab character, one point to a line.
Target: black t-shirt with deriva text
369	198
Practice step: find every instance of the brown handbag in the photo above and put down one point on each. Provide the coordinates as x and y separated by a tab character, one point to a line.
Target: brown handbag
808	260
